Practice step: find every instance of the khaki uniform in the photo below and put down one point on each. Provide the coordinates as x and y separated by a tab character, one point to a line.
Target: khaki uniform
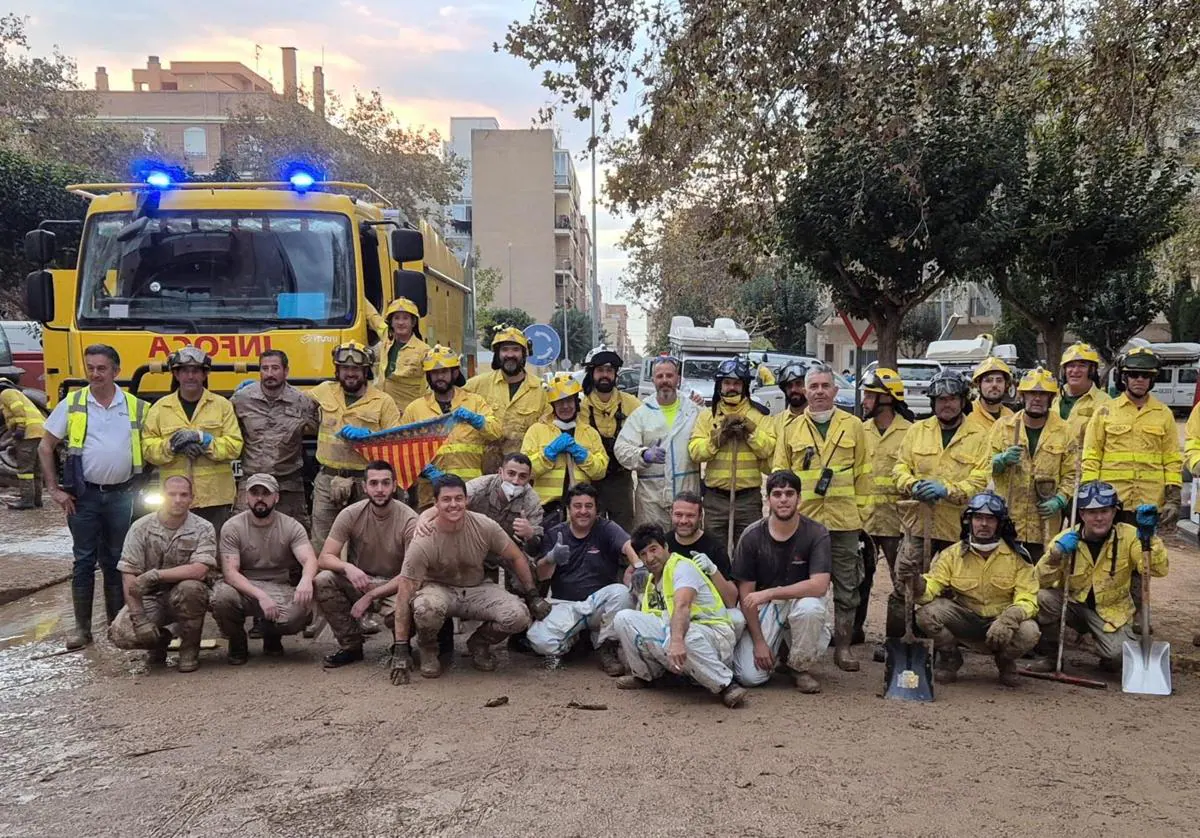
24	418
1053	460
752	461
406	381
550	479
273	432
211	474
517	413
376	543
462	452
1137	451
266	556
151	545
962	467
339	482
608	418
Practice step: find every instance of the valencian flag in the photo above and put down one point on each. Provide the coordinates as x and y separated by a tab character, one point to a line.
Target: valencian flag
409	448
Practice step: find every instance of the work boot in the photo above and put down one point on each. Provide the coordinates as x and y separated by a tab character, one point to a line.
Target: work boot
81	604
431	664
343	657
805	683
1196	639
631	682
22	504
844	629
879	653
239	649
552	663
256	629
1008	672
189	644
610	659
158	655
733	696
272	644
479	646
946	664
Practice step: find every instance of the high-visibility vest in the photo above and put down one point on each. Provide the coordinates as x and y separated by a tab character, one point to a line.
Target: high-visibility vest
709	615
77	424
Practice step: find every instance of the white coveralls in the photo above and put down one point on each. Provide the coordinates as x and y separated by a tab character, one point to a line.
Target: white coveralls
658	483
555	635
808	625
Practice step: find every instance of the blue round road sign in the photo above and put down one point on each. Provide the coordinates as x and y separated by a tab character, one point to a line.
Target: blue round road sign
545	342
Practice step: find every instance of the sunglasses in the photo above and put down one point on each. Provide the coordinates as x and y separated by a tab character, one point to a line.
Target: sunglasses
1145	375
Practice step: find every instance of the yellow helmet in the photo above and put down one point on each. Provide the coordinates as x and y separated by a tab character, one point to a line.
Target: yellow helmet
441	358
353	354
1080	352
991	364
1038	380
562	386
401	304
885	382
509	334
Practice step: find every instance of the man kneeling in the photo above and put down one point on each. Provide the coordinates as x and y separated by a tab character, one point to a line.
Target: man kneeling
164	565
980	591
443	576
682	626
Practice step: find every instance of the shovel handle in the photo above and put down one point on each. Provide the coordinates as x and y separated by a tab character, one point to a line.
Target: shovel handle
1147	640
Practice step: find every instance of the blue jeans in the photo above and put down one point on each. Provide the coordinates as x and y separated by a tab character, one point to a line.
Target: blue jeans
98	530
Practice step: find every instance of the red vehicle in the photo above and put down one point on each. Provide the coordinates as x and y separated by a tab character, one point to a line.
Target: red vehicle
21	347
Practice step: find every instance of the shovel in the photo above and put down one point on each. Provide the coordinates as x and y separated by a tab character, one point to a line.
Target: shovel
1146	664
908	661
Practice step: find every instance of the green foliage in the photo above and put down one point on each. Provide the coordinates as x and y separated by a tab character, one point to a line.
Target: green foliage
487	280
490	319
1014	328
779	308
578	341
919	329
224	172
1183	314
1122	306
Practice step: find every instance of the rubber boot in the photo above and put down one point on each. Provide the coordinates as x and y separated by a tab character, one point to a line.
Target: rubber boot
37	491
947	662
1008	671
843	631
430	664
610	659
239	648
114	597
480	644
864	594
158	655
272	642
189	644
26	498
81	603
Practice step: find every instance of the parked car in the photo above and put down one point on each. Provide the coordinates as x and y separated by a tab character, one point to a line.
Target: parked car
25	344
916	374
8	369
628	380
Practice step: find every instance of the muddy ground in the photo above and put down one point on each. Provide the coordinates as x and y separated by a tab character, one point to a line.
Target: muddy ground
94	744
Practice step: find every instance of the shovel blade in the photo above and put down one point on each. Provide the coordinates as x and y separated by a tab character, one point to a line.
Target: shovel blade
1146	674
908	670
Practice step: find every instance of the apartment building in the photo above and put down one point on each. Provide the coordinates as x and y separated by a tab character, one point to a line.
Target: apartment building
615	324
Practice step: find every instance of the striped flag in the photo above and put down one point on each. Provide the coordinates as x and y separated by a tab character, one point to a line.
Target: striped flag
409	448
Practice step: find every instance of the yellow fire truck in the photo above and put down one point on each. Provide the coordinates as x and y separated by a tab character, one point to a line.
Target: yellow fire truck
235	269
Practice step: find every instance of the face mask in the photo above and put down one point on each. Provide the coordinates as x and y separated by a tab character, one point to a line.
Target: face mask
511	490
821	416
984	547
564	426
732	401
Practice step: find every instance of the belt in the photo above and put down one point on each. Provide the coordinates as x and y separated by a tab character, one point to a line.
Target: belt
343	472
737	493
110	487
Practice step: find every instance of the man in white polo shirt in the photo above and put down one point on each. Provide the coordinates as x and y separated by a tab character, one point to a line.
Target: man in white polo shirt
102	426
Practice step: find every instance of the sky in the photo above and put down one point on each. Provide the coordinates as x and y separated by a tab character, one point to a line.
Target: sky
431	59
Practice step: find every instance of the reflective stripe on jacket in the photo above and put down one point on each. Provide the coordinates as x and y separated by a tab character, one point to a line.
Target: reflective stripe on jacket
753	455
843	450
20	412
1137	451
962	467
881	516
407	381
462	452
549	477
1083	410
1054	461
77	424
985	586
517	414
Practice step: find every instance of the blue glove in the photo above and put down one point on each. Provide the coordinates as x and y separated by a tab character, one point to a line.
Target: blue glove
244	384
929	490
559	445
1147	521
475	420
432	472
352	434
1068	542
205	439
577	451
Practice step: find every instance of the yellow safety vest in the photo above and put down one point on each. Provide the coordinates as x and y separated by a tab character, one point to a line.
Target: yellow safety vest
709	615
77	424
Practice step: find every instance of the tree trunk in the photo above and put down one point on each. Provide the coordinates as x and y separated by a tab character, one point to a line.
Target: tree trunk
887	335
1053	335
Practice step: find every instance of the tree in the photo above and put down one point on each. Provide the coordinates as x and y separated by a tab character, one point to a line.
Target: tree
489	320
363	143
781	307
578	341
920	328
1015	329
1183	313
487	280
1124	304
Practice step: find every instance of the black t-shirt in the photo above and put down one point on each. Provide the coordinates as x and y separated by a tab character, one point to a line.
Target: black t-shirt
768	563
595	561
189	408
705	544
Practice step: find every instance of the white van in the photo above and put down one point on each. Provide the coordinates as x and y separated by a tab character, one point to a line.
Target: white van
1180	368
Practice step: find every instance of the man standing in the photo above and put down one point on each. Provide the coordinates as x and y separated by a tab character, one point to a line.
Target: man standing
443	577
1102	556
194	432
782	567
1079	373
886	419
275	417
994	379
462	452
654	443
791	383
1132	443
377	533
558	446
980	592
735	439
827	450
517	397
23	422
258	549
102	426
606	409
584	559
351	409
402	355
1036	473
681	626
943	459
165	563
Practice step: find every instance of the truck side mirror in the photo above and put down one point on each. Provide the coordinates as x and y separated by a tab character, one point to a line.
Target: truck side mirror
408	245
411	284
39	247
39	294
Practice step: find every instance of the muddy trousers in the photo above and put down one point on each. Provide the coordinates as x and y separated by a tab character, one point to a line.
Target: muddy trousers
644	639
747	508
1081	618
98	529
335	596
502	614
949	624
230	608
330	496
806	625
889	545
616	498
29	476
183	603
555	635
847	573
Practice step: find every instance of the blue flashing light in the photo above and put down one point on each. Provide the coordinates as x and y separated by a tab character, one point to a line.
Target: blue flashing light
301	181
158	179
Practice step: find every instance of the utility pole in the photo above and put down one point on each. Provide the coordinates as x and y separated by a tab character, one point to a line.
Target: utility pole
595	276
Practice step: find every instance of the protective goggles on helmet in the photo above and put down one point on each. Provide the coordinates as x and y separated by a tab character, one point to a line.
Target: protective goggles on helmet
987	503
1096	494
947	383
792	371
734	368
666	359
189	356
353	354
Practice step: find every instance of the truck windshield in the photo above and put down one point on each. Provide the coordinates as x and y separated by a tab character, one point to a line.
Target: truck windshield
701	368
193	269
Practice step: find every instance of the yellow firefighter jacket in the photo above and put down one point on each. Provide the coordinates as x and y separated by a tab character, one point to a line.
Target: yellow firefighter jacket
1053	460
985	586
962	467
211	474
1137	451
753	455
550	476
880	513
843	450
374	410
462	452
